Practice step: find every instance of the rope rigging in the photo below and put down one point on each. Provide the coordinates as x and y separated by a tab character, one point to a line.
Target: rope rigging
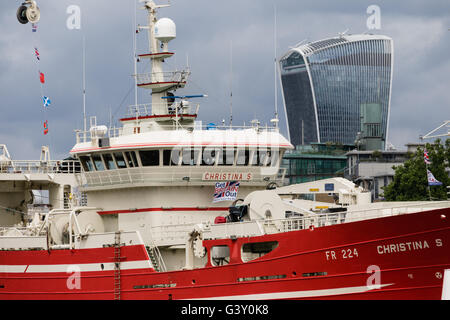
29	12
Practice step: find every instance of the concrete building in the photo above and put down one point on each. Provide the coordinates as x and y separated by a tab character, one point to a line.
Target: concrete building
373	170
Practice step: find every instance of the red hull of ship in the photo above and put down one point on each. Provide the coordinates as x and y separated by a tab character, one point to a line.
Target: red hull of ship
398	257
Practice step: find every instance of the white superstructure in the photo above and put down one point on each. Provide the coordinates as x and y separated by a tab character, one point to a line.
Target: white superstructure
161	167
30	186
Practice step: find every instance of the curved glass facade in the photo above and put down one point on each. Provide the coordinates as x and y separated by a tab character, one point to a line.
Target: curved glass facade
327	83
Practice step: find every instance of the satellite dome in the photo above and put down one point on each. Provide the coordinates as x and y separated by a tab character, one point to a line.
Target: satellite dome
165	30
99	131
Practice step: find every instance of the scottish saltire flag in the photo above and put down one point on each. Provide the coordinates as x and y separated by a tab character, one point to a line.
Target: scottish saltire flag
36	53
226	191
47	101
33	27
432	180
426	158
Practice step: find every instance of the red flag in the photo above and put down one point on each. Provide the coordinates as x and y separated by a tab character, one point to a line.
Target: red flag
45	127
41	77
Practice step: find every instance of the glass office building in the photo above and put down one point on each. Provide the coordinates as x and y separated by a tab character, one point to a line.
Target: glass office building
316	161
327	85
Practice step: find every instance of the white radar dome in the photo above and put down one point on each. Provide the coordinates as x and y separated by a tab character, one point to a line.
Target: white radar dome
99	131
165	30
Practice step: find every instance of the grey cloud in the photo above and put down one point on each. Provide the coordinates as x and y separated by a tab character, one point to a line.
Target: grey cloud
205	30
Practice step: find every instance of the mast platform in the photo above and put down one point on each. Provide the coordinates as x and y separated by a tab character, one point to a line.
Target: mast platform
158	55
162	81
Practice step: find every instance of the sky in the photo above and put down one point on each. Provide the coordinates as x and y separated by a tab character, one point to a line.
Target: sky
230	47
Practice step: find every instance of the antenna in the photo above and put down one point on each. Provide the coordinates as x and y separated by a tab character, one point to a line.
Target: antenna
110	118
134	54
341	34
84	88
231	83
275	59
187	60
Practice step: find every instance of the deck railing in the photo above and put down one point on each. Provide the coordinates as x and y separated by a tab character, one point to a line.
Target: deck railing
327	219
37	166
177	174
86	136
145	109
177	234
153	77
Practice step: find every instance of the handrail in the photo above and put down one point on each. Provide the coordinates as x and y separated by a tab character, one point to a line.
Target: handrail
118	132
38	166
325	219
145	109
173	234
166	76
158	254
175	174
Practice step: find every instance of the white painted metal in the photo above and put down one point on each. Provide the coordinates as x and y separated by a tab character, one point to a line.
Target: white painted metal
298	294
165	30
431	135
446	285
390	95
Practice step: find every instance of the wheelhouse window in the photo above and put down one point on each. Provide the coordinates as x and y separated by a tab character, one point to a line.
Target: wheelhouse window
87	164
271	158
190	156
131	159
267	157
109	161
226	156
243	157
171	157
149	158
264	157
209	156
98	162
259	157
120	160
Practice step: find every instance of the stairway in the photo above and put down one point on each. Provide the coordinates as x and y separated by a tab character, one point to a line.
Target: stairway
156	259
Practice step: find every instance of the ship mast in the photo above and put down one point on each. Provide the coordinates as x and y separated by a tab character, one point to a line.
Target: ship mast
158	105
160	32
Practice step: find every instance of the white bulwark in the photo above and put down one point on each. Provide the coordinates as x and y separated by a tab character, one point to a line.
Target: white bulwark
446	285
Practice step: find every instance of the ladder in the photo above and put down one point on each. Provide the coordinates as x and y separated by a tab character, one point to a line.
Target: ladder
156	258
117	259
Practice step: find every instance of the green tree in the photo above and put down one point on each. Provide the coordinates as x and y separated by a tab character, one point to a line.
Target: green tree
376	154
410	181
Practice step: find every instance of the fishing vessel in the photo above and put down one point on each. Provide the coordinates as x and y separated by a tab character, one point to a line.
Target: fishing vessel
178	210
